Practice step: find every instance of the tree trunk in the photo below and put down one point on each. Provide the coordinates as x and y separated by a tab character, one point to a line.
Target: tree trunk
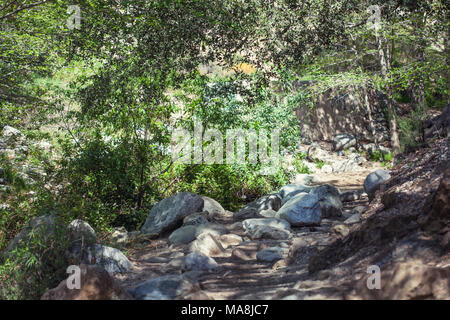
385	68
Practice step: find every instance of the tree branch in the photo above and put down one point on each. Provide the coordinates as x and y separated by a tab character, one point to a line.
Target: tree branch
28	6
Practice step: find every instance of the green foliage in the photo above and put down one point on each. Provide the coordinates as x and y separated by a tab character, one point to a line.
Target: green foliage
30	270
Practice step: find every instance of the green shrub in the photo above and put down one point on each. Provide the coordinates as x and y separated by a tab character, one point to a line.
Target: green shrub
30	270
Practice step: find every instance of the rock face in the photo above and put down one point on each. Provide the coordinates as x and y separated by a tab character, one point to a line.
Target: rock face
343	141
329	200
197	261
168	287
374	180
95	284
302	210
341	110
170	212
111	259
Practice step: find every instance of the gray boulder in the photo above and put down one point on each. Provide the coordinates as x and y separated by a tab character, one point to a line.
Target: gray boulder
355	218
230	239
207	244
343	141
167	287
269	213
268	232
111	259
197	261
271	222
80	230
196	219
374	180
246	213
296	189
302	210
271	201
293	189
212	207
170	212
189	233
183	235
316	153
120	235
271	254
329	200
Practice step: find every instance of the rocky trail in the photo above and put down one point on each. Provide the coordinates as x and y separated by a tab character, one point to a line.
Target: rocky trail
240	274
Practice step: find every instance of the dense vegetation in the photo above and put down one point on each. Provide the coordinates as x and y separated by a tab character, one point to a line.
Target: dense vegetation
107	93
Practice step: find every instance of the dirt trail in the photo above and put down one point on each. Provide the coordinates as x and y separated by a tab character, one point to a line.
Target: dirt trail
243	277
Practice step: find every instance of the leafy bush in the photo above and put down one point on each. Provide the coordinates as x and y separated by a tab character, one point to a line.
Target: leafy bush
30	270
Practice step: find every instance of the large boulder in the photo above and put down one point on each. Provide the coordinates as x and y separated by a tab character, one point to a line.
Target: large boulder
316	153
246	213
329	200
302	210
170	212
196	219
230	239
267	228
268	232
197	261
183	235
271	222
343	141
168	287
374	180
189	233
207	244
291	190
270	201
212	207
111	259
95	284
